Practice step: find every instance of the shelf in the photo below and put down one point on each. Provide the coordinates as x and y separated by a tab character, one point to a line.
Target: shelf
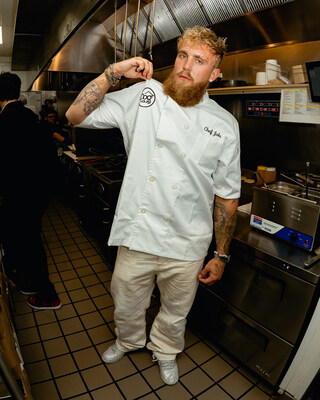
254	89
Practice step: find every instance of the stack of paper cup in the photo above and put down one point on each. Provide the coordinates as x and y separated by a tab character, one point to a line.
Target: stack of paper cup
261	78
272	70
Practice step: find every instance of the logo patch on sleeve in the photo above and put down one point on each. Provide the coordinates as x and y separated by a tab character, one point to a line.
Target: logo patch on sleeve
148	97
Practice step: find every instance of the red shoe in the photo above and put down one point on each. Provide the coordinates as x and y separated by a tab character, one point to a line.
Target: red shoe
38	304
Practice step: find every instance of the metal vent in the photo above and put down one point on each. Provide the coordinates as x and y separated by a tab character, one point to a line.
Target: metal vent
172	17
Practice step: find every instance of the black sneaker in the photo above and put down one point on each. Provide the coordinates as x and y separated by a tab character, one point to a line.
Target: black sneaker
38	304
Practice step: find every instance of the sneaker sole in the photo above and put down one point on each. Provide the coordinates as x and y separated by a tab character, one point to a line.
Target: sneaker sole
28	293
44	308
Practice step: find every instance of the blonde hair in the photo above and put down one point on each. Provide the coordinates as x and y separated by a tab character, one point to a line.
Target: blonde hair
205	37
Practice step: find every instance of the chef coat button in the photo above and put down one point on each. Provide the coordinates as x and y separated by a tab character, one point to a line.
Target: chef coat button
160	145
151	179
143	210
165	218
186	126
174	187
183	155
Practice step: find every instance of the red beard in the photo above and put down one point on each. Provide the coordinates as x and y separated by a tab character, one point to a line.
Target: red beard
185	96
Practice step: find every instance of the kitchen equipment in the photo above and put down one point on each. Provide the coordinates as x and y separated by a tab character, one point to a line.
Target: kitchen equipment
288	212
260	307
261	78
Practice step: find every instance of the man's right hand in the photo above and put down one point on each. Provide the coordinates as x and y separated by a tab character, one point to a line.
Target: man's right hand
136	67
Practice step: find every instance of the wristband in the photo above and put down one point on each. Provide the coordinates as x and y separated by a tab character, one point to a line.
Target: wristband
222	257
111	78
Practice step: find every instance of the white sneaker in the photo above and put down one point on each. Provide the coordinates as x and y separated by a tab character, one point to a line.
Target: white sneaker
168	371
112	354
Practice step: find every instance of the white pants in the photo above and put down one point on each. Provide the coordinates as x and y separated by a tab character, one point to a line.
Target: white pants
132	284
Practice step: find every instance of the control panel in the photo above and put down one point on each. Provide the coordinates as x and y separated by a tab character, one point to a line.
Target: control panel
262	108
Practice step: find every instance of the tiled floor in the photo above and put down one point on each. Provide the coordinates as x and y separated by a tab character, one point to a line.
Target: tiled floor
61	349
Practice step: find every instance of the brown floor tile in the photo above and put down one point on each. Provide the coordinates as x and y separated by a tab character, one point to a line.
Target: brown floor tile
38	371
184	364
175	392
60	258
103	301
45	390
100	334
81	262
107	313
45	317
57	251
71	325
75	255
142	358
97	290
70	274
78	341
32	352
96	377
64	266
190	338
122	368
67	311
55	347
54	277
50	331
70	248
25	321
196	381
60	288
87	358
200	353
92	320
73	284
134	386
65	299
70	385
105	276
217	368
90	280
108	392
85	271
255	394
90	252
152	375
78	295
21	307
62	365
215	393
150	396
94	259
28	336
85	306
100	267
235	384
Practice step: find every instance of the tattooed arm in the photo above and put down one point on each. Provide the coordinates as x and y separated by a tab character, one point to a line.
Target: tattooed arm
92	95
225	215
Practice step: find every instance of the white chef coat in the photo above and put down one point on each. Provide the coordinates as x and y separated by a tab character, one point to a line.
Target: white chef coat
178	159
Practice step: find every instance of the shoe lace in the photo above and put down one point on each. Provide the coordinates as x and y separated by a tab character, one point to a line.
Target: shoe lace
165	365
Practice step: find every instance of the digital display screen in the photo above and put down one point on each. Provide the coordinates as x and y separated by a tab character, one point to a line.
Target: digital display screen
313	71
262	108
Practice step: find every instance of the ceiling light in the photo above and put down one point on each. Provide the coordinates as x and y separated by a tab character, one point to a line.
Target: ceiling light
1	34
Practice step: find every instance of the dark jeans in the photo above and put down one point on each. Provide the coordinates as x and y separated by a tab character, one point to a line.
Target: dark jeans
25	260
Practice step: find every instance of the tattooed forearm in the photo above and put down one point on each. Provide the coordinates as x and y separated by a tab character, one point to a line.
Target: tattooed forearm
91	97
225	217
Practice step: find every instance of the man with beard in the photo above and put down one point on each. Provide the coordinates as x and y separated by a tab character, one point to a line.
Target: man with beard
183	166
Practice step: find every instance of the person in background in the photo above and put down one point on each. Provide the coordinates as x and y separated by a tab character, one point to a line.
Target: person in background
183	166
25	180
47	106
54	139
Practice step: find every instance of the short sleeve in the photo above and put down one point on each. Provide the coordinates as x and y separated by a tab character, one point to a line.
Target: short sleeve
227	177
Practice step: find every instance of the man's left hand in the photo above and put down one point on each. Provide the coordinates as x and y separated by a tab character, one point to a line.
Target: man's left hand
212	272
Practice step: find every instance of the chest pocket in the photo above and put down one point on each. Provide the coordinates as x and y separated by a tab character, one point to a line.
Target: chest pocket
206	152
